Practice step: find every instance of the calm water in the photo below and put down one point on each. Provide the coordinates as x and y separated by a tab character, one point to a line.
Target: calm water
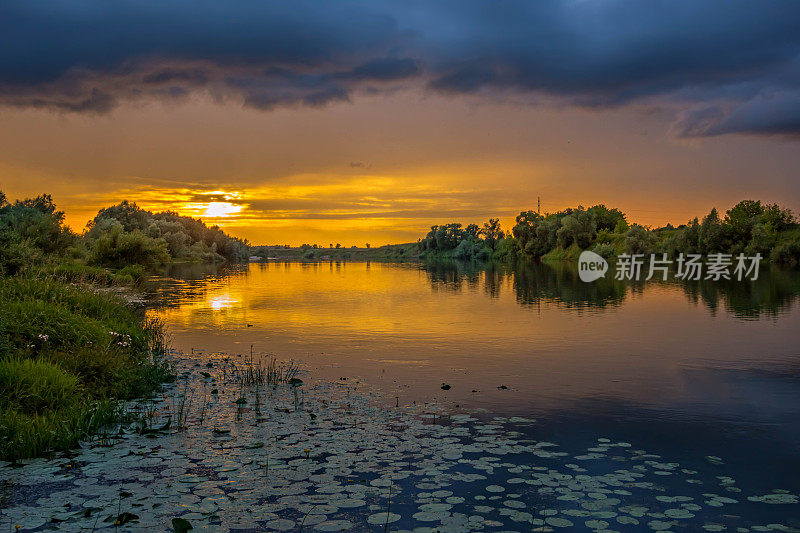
686	370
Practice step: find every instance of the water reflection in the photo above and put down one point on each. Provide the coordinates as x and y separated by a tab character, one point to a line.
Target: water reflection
222	301
531	283
774	292
190	282
687	369
536	328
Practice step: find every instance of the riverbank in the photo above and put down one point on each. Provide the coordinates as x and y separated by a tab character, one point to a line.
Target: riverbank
73	343
388	253
235	445
69	351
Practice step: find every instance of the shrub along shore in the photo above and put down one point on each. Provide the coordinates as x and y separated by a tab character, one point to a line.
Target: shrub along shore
71	345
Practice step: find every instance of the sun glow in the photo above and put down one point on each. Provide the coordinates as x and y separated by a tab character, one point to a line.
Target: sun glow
221	209
220	302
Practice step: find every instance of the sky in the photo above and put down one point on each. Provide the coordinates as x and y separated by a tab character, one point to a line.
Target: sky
353	122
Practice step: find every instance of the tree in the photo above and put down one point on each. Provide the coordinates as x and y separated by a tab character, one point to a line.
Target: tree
689	238
469	249
545	237
710	234
786	253
29	230
492	232
473	230
127	213
762	240
43	203
506	249
118	248
638	240
187	238
525	228
578	227
605	218
776	218
741	218
448	236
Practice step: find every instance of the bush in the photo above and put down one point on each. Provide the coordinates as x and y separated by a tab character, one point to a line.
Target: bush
130	275
605	250
469	250
506	249
786	253
185	238
762	240
638	240
19	256
37	221
577	228
119	249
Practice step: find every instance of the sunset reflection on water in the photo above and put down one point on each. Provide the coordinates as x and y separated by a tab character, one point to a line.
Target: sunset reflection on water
551	339
684	369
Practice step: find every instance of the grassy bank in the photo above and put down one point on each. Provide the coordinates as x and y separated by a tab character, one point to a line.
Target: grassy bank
70	346
68	352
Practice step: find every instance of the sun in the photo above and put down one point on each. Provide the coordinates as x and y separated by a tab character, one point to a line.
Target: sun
221	209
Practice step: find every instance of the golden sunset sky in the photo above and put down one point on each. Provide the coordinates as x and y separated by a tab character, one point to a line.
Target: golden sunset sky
420	142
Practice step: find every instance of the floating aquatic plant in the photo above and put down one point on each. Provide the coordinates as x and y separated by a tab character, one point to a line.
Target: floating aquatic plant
385	468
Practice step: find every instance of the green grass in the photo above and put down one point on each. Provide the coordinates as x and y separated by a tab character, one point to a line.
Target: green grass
78	273
68	353
75	272
36	385
34	434
44	407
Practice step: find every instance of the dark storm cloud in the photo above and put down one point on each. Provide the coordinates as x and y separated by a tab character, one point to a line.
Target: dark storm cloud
773	115
721	61
86	56
383	69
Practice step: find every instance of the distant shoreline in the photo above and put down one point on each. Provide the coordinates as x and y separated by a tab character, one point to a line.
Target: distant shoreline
390	252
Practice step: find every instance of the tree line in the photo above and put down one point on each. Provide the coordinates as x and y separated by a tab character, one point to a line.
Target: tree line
32	231
471	242
750	227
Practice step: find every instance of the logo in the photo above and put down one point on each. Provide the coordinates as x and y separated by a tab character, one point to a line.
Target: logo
591	266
